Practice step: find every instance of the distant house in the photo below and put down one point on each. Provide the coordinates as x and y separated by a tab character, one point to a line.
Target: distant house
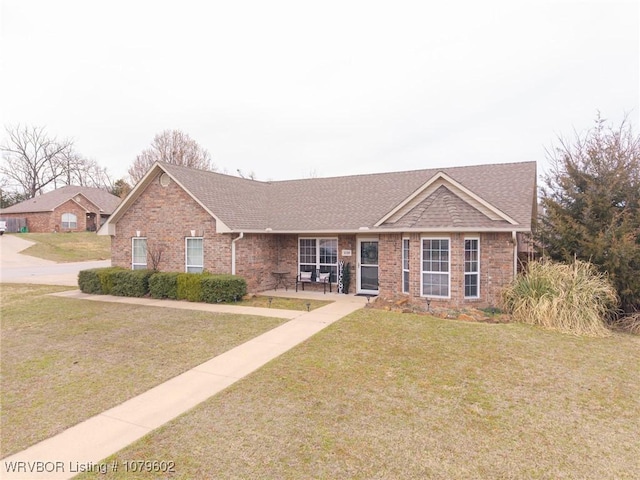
66	209
451	235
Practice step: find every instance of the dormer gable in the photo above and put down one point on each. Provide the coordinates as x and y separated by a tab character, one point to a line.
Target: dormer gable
444	190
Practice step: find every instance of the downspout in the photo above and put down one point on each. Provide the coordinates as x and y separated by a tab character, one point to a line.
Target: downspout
514	235
233	252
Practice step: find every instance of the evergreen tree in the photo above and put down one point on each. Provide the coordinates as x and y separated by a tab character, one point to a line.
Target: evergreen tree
591	206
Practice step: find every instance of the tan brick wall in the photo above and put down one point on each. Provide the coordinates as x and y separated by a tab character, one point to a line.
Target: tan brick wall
166	216
256	259
496	267
258	256
40	222
70	207
47	222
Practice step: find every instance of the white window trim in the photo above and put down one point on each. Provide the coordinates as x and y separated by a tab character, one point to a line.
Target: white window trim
69	227
422	272
406	270
186	256
464	273
133	264
317	264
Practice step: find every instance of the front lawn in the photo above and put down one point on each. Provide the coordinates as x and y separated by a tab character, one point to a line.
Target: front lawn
386	395
284	303
68	247
65	360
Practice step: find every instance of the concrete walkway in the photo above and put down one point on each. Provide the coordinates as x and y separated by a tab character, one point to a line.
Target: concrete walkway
89	442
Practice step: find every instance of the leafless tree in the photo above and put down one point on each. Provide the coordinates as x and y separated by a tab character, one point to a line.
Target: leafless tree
155	251
31	159
78	170
171	146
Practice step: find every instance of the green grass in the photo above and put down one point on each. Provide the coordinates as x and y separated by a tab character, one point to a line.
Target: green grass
386	395
68	247
65	360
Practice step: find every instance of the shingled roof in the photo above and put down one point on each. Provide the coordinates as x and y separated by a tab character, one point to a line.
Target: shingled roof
47	202
483	197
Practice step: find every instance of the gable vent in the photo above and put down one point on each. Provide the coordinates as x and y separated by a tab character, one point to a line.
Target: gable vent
165	180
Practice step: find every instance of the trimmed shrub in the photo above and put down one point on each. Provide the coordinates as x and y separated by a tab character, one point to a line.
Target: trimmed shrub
97	280
570	298
164	285
223	288
190	286
131	283
89	282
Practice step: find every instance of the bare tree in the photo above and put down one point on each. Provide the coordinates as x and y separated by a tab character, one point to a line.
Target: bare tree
171	146
31	159
155	254
78	170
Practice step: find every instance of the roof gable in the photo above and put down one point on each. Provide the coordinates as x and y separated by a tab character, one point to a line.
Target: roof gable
229	200
48	202
443	209
436	184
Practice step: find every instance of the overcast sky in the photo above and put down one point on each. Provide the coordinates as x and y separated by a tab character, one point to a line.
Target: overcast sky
298	89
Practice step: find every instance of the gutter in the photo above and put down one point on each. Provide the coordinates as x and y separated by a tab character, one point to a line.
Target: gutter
376	231
233	252
514	235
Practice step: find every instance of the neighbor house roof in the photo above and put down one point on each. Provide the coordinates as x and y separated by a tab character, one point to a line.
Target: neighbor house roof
483	197
47	202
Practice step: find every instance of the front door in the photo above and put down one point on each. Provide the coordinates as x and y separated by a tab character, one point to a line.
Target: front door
368	266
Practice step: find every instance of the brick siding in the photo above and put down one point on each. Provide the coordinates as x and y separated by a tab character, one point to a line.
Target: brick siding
48	222
496	267
167	215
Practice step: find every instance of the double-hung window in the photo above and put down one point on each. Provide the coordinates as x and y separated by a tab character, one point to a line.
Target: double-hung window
69	220
138	253
405	265
319	255
194	253
435	267
471	268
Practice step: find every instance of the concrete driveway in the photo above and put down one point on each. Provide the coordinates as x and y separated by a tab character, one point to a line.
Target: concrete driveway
16	267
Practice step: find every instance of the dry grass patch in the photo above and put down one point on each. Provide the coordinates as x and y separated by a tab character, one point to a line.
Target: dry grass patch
389	395
65	360
572	298
68	247
283	303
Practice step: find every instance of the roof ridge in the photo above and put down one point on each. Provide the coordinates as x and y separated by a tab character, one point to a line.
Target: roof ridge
396	172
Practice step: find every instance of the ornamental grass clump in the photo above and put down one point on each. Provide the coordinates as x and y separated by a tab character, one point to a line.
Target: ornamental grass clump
572	298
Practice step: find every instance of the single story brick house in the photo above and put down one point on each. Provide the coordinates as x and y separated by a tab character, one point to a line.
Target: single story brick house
66	209
452	235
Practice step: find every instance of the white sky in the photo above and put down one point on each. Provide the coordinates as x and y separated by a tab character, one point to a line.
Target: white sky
294	89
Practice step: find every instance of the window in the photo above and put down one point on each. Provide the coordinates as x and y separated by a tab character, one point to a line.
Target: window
471	268
69	220
194	254
138	253
435	267
319	255
405	265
